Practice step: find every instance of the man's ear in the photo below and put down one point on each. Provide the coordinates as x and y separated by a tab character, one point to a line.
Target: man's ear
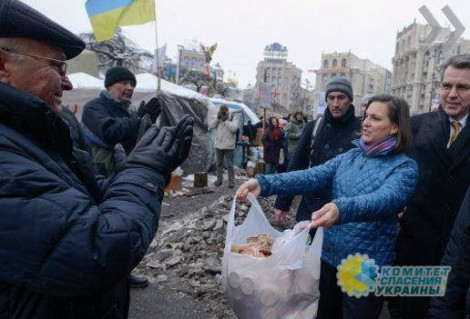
4	69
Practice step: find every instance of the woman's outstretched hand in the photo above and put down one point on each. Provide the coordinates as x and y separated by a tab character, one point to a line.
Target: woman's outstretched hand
326	216
251	186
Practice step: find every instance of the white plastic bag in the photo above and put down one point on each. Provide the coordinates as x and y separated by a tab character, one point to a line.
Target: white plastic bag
283	285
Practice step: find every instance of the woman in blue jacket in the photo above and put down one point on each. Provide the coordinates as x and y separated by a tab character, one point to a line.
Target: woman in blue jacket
369	185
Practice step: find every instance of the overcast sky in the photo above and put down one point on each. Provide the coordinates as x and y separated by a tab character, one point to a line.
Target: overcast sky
242	28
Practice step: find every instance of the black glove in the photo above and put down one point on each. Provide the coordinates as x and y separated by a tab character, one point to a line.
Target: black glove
152	108
163	150
119	154
119	158
185	129
145	124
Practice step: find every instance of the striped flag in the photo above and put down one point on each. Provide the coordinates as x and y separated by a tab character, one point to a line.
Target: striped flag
106	15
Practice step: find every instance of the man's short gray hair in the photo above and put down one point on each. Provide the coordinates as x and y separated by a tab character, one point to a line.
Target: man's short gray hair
461	61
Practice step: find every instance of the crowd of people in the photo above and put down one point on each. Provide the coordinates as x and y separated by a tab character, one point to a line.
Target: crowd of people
80	202
388	186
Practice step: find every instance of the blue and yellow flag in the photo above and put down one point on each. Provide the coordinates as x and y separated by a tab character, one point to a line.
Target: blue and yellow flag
106	15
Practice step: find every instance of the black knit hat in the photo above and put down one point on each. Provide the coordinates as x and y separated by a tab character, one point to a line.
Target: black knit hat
339	85
118	73
18	20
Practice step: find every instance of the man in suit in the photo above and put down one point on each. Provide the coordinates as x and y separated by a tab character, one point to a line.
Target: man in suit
441	146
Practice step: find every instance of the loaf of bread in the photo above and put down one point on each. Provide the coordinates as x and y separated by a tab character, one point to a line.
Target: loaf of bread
256	246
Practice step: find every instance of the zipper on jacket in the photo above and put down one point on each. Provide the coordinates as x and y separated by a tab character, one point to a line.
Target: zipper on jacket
363	162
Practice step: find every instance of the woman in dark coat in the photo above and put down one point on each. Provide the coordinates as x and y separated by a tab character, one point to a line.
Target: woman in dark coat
273	141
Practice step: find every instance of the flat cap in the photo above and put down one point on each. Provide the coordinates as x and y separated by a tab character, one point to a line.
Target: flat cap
18	20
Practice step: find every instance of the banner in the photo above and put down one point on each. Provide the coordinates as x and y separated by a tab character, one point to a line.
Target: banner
265	95
159	61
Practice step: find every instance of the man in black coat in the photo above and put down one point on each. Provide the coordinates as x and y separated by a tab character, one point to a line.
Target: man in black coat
67	240
441	147
456	301
339	126
109	120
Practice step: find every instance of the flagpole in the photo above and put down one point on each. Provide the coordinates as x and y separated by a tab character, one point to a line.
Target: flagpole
157	58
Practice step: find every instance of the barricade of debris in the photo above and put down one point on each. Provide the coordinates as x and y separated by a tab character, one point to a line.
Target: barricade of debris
186	255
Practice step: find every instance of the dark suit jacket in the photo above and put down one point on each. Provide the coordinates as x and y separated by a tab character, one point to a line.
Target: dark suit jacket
444	176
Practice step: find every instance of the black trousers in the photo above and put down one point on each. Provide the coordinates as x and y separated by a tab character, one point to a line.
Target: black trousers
334	304
414	251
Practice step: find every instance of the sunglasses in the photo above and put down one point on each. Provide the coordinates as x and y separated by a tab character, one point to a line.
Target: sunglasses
59	65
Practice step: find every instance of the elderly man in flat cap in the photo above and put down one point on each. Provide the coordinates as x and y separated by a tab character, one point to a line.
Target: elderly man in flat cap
67	240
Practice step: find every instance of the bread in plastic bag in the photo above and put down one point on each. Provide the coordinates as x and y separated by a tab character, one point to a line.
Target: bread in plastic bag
283	285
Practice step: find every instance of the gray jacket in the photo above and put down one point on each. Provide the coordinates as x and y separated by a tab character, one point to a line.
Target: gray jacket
226	132
293	132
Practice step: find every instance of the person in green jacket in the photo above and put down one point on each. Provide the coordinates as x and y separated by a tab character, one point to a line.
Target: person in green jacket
293	131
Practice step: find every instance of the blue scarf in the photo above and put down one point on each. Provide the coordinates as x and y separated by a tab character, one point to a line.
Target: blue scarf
381	148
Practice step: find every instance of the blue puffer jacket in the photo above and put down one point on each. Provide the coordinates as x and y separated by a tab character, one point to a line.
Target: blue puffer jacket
369	192
67	242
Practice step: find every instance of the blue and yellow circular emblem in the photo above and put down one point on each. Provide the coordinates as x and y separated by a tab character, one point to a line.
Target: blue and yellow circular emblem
357	275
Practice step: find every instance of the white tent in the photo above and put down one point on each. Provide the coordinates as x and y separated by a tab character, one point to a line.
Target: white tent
177	101
87	87
148	82
82	80
250	115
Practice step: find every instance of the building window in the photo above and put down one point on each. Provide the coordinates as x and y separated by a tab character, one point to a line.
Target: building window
335	63
343	63
325	64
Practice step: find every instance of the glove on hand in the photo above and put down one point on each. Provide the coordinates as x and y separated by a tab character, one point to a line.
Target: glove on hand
119	154
145	124
152	108
185	135
119	158
163	150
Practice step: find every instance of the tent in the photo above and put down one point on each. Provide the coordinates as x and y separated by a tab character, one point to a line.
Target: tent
177	101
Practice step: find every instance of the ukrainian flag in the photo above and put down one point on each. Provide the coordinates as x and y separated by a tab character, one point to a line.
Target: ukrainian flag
106	15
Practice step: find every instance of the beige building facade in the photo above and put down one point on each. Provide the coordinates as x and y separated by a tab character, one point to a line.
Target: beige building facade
192	59
366	77
284	76
417	63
